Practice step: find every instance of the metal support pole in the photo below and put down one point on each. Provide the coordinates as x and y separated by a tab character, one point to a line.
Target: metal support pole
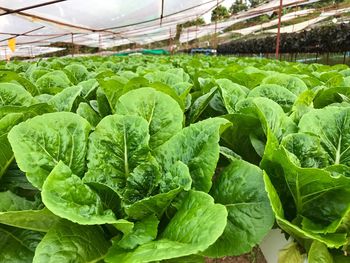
170	41
162	13
187	38
197	41
279	29
99	43
216	28
344	58
72	51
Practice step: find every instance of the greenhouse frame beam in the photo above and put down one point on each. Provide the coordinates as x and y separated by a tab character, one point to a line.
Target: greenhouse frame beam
171	23
41	40
51	20
92	30
22	34
157	18
14	11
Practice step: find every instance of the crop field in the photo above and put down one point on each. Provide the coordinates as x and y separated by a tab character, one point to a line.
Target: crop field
172	159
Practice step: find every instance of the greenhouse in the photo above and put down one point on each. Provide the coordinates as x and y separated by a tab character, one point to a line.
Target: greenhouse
175	131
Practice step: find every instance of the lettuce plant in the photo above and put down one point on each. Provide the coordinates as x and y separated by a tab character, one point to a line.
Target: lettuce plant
172	159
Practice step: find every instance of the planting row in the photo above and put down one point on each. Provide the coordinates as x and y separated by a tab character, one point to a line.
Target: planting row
172	159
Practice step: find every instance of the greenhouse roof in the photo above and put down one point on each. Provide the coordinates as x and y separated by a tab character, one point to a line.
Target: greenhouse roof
110	23
91	22
95	23
196	32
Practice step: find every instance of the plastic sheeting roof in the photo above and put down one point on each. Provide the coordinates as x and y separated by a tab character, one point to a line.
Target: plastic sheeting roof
109	23
94	22
196	32
303	25
28	51
284	18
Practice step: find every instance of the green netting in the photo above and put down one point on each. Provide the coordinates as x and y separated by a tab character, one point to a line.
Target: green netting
145	52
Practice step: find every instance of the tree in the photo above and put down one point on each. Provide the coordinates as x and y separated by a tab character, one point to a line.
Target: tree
196	22
180	27
219	13
254	3
238	6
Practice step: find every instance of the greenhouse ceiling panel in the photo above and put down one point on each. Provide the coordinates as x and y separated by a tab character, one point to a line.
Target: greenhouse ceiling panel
102	23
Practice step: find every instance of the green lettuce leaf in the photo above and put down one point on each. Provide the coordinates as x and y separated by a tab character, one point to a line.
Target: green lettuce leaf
291	254
15	95
332	126
196	146
150	192
18	245
116	147
85	111
292	83
67	196
13	77
41	142
162	113
277	93
9	117
6	154
331	240
196	225
231	93
144	231
37	220
53	82
200	104
64	100
79	72
69	242
240	187
319	253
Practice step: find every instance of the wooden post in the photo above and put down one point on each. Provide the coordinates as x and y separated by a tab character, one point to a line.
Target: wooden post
72	51
197	41
162	13
187	38
279	29
170	41
99	43
216	28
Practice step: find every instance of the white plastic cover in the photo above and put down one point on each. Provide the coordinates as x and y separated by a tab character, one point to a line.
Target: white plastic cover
124	21
111	23
284	18
303	25
197	32
27	51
